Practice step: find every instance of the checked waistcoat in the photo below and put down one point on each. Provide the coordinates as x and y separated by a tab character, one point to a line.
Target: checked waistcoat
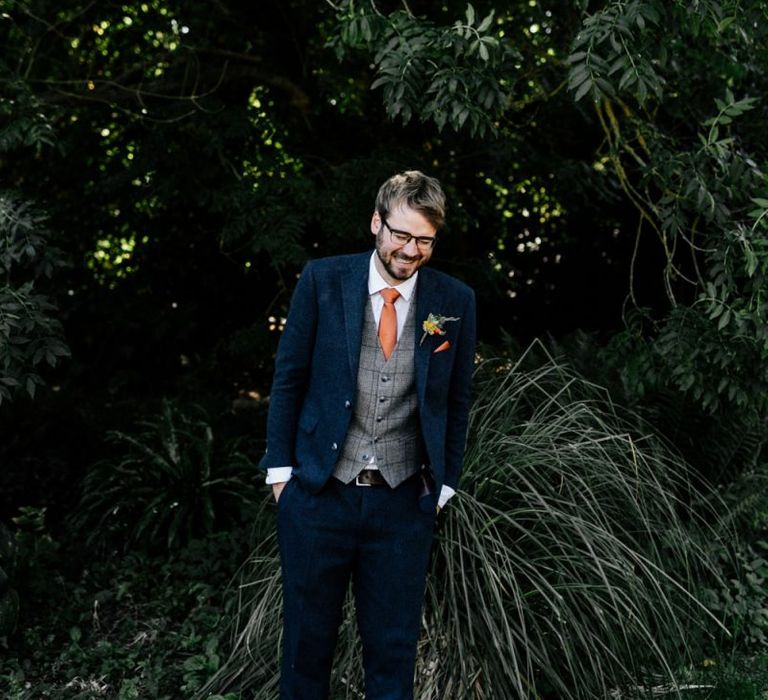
385	416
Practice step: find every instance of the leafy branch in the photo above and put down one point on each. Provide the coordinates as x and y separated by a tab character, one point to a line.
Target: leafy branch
451	76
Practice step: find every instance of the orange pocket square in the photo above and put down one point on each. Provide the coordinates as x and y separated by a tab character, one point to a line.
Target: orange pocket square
443	346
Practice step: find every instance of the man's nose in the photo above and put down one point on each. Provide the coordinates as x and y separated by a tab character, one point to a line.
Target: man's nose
411	249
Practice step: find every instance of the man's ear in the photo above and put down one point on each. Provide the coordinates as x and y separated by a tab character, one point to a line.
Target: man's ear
375	223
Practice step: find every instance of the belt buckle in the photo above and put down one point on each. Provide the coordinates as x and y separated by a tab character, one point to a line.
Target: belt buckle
359	483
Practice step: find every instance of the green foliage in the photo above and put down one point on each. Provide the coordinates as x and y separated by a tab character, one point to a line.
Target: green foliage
138	626
133	626
629	47
571	547
742	603
456	75
30	332
9	597
22	551
747	499
708	346
727	449
24	121
732	678
36	556
610	45
169	481
742	600
698	190
202	157
268	217
696	178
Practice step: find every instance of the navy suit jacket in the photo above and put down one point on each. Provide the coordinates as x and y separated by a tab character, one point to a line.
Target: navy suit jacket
313	390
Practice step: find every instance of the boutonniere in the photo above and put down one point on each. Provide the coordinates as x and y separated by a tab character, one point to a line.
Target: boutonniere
434	325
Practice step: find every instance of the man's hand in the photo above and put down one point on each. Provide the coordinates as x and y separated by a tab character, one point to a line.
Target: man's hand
277	489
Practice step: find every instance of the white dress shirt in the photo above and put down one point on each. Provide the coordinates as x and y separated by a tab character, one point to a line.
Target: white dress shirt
376	283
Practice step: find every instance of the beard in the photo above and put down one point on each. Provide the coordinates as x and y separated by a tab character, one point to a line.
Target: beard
389	260
399	274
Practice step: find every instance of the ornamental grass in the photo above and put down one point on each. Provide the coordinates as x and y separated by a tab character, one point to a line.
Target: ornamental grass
567	566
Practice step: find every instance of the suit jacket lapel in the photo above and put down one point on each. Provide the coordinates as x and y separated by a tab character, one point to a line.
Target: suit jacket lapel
427	300
354	295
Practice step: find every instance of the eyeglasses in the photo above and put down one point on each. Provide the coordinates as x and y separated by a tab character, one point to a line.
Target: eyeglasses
403	238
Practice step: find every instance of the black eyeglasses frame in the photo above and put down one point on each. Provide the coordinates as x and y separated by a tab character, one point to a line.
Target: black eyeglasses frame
423	243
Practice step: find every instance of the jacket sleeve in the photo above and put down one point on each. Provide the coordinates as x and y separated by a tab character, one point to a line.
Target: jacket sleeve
460	394
292	368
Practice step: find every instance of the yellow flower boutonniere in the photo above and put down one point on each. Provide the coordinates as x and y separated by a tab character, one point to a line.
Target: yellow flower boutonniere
434	325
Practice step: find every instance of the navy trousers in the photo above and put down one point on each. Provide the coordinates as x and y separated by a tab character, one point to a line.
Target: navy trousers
379	539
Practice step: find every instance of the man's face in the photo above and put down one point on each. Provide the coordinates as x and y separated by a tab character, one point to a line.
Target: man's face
394	261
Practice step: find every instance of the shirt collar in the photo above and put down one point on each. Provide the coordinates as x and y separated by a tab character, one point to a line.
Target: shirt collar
376	282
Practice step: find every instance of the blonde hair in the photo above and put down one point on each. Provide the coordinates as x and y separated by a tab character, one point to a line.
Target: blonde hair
415	190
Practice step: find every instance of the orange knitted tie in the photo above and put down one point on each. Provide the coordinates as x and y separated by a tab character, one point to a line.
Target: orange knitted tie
388	322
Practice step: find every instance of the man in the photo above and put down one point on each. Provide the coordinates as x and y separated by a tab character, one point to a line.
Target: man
365	440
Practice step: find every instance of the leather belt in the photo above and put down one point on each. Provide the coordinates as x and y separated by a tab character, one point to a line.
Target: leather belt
370	477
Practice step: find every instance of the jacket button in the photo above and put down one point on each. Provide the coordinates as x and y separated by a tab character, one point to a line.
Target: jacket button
347	404
334	446
385	378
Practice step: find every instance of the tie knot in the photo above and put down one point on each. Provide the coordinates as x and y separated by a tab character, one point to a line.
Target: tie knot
390	295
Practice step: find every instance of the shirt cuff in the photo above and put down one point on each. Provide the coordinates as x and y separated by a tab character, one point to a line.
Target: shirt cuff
277	475
446	493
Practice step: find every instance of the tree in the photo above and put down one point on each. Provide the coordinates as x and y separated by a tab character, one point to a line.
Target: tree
207	150
673	87
31	334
